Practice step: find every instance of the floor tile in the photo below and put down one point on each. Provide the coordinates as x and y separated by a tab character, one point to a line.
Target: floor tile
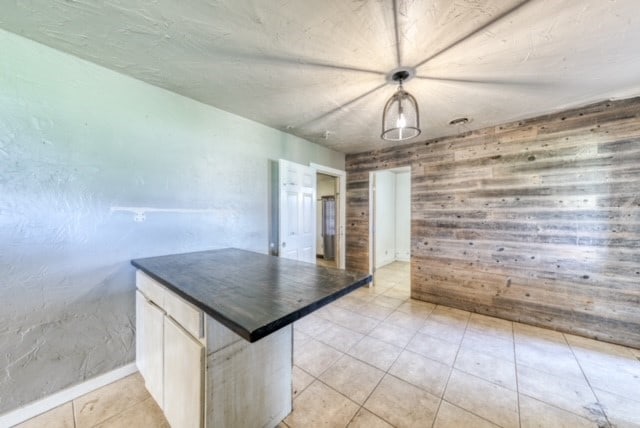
552	393
392	334
405	320
450	332
375	352
366	419
488	344
299	337
144	414
402	404
434	348
549	356
416	307
339	337
532	333
301	380
497	327
618	378
450	416
60	417
536	414
351	320
99	405
398	292
374	311
485	399
353	378
367	292
311	325
568	394
482	365
319	405
427	374
608	367
387	302
621	411
450	316
599	352
315	357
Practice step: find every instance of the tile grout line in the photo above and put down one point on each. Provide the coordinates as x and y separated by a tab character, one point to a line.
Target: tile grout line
386	372
361	406
515	367
600	406
73	413
444	390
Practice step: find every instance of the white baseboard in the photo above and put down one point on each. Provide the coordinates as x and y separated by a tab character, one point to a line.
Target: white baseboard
52	401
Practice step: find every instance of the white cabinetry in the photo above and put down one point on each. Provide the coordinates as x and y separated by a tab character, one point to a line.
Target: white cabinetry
183	362
169	357
201	373
150	345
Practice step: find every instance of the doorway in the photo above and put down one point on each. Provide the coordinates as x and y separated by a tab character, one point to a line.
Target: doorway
390	220
326	215
331	185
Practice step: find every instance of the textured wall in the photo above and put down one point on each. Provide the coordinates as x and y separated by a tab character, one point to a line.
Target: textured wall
536	221
403	216
385	225
77	140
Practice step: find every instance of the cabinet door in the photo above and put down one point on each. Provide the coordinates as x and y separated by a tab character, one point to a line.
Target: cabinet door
183	377
149	345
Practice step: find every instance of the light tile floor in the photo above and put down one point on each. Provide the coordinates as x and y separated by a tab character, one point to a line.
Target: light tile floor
375	358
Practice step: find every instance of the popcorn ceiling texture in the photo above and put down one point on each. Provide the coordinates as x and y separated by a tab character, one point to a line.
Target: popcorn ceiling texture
317	69
77	140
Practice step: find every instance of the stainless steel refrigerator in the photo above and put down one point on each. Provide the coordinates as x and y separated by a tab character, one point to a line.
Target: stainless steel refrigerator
329	227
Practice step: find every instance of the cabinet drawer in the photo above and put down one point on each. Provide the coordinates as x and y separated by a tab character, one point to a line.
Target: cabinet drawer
150	288
187	315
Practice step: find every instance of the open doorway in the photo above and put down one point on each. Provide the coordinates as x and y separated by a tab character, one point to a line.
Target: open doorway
330	216
390	225
327	224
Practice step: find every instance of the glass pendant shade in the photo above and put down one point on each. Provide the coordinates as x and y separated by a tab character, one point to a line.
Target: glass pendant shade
400	119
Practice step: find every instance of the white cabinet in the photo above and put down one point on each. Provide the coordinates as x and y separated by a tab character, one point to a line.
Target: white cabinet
202	374
183	380
150	345
169	357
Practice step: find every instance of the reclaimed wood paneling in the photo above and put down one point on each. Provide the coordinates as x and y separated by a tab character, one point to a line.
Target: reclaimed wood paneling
535	221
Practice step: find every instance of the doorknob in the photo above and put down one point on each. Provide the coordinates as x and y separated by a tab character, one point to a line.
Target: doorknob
284	244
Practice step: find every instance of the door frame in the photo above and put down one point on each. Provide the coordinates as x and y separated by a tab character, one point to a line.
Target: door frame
341	177
372	213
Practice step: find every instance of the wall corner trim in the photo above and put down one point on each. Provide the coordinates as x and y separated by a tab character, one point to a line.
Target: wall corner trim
54	400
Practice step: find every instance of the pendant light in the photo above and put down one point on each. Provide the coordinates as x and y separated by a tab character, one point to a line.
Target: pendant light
400	118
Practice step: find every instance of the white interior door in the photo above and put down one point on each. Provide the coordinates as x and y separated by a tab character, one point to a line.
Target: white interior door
297	184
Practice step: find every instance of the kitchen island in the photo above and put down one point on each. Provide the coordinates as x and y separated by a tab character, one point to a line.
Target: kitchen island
214	332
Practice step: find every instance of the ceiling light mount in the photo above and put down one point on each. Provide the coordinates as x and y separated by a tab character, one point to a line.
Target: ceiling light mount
400	75
400	117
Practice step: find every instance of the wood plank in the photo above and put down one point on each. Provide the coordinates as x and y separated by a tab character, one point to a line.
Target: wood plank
536	220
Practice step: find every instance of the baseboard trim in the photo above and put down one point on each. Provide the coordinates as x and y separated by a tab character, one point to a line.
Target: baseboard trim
54	400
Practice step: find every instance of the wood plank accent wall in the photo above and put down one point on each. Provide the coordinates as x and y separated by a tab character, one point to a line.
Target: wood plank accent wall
535	221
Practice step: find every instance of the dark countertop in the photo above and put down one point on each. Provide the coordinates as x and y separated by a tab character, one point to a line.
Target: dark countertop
252	294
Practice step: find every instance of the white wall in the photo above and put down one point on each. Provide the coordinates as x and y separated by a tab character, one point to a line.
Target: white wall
76	140
385	222
392	217
403	216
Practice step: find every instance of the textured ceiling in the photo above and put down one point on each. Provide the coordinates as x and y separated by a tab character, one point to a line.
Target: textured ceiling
317	69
